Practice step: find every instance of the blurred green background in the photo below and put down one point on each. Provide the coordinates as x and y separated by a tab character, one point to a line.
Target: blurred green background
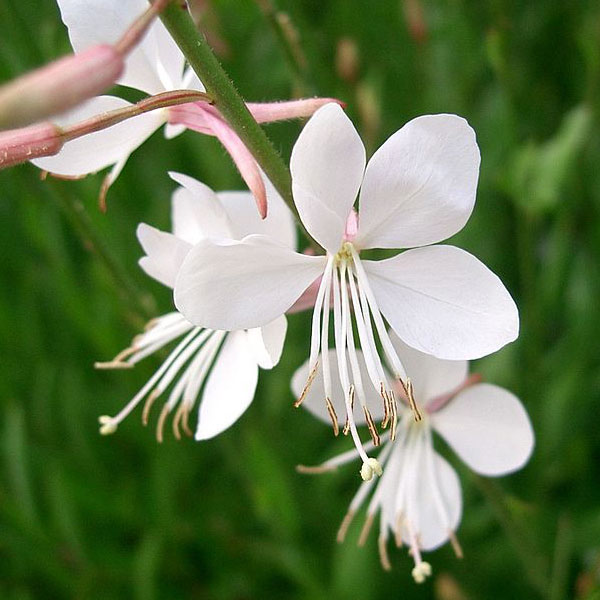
83	516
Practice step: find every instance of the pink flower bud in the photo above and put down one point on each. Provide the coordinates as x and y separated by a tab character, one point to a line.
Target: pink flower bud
59	86
20	145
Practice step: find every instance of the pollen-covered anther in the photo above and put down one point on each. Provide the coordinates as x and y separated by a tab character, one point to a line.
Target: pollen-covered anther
372	429
366	528
107	425
344	526
383	553
455	544
394	416
332	416
386	406
311	378
408	391
421	571
148	405
369	468
161	423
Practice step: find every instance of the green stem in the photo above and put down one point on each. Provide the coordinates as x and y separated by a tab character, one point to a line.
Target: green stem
227	99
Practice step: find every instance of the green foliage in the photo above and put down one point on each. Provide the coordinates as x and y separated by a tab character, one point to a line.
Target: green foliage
122	517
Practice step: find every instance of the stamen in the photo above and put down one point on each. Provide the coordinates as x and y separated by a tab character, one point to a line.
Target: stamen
112	364
347	425
161	423
332	416
185	424
407	388
455	544
148	405
175	422
366	528
311	378
343	530
371	427
394	417
398	530
386	408
383	553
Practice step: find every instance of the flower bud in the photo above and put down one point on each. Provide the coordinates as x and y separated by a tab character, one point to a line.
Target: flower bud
20	145
59	86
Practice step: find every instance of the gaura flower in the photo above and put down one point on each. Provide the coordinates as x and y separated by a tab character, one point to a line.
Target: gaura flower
156	65
417	189
418	498
218	369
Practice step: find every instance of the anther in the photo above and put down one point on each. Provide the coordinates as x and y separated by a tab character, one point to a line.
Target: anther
346	429
332	416
366	528
386	402
345	525
314	470
107	425
185	423
383	553
408	391
371	426
398	530
161	423
455	544
311	378
154	394
394	417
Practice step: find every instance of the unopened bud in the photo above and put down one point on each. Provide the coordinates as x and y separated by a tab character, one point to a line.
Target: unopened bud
59	86
20	145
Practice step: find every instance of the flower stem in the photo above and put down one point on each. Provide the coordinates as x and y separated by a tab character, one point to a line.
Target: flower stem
227	99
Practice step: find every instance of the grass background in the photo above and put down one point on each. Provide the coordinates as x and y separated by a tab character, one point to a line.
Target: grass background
83	516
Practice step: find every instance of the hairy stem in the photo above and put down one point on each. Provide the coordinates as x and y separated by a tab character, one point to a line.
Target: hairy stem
227	99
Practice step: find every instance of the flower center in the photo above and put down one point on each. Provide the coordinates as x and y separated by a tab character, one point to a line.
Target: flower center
345	288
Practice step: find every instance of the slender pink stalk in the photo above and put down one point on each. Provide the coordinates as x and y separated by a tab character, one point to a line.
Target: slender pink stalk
20	145
267	112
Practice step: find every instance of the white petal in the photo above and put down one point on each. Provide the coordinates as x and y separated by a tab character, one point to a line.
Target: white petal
245	220
419	187
241	285
230	387
443	301
327	165
150	66
196	212
101	149
314	401
433	530
266	342
429	375
164	253
172	131
488	428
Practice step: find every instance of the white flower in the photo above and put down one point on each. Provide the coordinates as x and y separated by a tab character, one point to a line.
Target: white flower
156	65
417	189
418	497
219	367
